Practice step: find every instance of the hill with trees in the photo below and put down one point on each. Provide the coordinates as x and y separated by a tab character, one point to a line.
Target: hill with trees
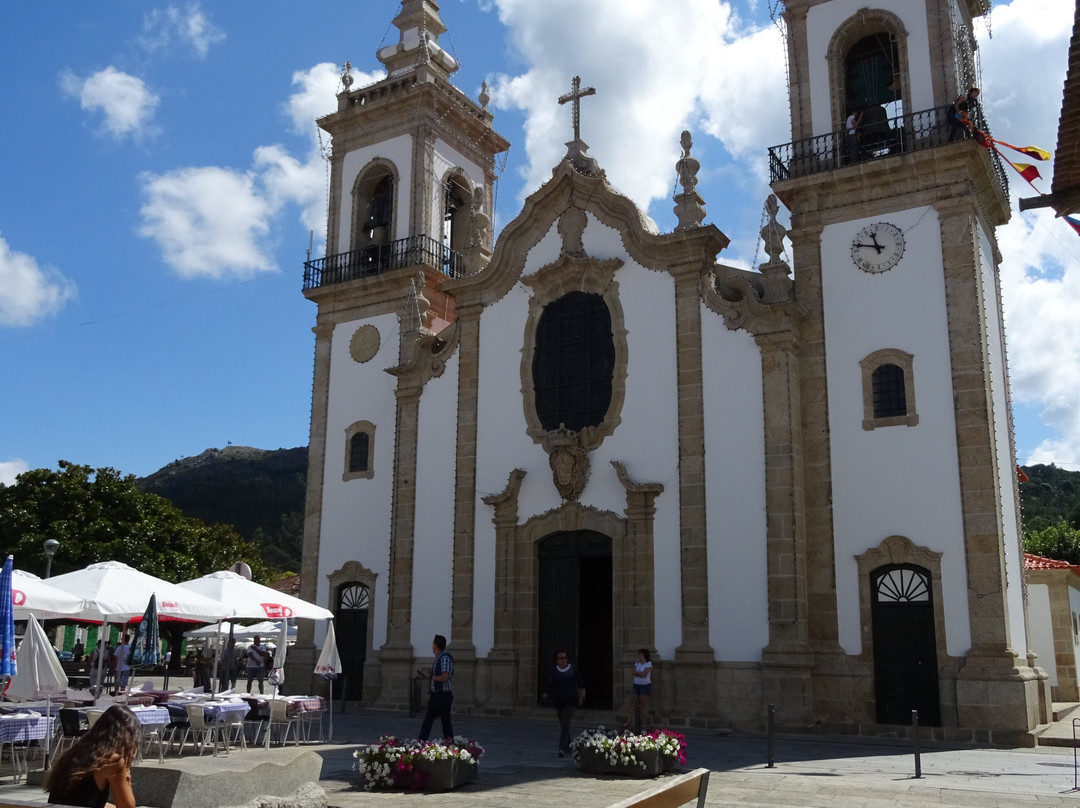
259	492
1050	502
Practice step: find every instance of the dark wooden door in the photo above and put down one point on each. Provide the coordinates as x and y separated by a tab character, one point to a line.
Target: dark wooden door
352	632
905	648
574	610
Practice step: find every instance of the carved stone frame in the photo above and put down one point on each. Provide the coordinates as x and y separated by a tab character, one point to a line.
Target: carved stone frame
906	363
355	572
517	570
353	429
571	273
361	198
864	22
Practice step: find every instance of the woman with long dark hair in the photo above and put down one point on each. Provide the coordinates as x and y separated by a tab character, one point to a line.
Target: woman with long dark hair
99	762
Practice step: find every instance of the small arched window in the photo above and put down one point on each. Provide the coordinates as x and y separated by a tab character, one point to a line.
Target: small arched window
574	362
888	389
359	446
373	207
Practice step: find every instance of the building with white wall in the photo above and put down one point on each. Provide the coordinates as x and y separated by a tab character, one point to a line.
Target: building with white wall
795	486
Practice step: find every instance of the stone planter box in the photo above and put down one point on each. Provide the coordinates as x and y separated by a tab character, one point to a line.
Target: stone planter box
594	762
445	775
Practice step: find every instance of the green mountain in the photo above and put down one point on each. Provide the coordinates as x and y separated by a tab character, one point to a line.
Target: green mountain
259	492
1051	495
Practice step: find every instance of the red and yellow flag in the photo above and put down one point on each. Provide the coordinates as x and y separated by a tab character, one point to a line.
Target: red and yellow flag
1034	152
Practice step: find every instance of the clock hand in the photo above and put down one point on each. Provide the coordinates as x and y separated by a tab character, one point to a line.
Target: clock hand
877	246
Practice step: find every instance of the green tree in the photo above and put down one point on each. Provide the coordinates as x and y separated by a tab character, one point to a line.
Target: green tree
1059	541
100	515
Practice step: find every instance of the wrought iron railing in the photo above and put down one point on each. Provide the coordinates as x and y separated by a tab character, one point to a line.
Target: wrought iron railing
378	258
888	137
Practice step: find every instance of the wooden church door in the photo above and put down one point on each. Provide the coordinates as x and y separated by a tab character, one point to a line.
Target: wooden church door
574	610
905	648
352	631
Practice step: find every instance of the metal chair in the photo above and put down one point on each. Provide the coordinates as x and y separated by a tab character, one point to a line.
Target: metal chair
311	722
72	727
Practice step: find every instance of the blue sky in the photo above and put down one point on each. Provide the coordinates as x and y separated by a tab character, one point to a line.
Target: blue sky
160	174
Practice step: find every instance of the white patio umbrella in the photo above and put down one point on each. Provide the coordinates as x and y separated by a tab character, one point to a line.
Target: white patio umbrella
32	596
249	599
40	673
263	629
115	593
329	667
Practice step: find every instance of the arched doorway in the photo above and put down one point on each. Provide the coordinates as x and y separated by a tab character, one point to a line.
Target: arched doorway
352	631
574	610
905	647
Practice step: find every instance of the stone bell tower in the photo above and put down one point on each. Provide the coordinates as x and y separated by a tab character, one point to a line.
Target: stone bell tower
913	584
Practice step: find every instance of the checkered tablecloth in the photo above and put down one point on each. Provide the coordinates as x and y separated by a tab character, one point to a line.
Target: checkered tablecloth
14	728
305	704
152	715
217	711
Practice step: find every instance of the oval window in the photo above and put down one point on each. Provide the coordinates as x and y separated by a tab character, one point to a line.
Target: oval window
574	362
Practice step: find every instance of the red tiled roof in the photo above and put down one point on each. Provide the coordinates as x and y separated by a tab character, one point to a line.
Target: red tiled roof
290	585
1034	562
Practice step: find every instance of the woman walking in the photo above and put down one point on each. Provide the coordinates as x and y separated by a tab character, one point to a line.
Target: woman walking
565	691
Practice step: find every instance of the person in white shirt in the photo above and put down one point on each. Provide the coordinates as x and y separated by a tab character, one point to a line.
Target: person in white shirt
255	657
642	690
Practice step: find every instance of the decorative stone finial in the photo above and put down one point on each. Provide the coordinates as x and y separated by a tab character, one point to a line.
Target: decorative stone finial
484	97
346	76
689	206
775	273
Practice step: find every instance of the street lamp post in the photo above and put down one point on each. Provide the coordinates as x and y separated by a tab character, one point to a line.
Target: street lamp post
51	546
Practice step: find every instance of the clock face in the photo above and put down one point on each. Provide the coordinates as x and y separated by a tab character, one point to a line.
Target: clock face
877	247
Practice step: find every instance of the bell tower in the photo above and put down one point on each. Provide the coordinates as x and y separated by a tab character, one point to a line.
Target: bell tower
903	374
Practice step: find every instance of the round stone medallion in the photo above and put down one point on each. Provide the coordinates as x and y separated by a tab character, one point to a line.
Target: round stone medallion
364	343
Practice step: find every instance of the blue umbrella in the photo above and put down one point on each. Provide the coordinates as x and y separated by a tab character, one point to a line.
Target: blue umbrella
7	622
146	648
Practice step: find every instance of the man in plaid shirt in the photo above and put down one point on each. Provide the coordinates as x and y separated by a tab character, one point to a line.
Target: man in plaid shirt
442	694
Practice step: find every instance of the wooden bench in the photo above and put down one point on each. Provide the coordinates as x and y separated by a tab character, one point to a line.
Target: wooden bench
672	793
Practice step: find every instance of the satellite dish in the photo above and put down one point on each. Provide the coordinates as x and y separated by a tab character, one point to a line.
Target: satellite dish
241	569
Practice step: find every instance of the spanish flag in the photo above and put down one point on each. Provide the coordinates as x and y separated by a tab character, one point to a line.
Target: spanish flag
1026	170
1034	152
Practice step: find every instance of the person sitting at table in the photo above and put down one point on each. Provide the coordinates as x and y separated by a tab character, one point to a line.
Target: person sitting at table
99	762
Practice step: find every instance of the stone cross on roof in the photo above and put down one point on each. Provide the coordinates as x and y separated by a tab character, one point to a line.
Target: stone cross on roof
575	95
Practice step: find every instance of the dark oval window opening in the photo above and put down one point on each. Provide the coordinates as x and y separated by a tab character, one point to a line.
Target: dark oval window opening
574	362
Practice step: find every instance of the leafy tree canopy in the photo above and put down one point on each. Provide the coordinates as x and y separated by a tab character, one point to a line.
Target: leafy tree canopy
1059	541
100	515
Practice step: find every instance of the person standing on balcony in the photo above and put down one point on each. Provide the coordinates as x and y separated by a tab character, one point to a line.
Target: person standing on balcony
960	119
851	136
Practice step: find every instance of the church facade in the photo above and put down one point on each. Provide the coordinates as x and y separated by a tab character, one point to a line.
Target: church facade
794	485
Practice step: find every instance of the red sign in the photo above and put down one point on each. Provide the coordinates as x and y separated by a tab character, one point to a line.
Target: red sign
18	597
170	604
275	611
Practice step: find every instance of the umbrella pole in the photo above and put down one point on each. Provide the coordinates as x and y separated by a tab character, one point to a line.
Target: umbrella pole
101	661
217	657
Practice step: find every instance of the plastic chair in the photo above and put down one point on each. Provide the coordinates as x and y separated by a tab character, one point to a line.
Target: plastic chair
279	717
311	722
202	729
232	729
71	729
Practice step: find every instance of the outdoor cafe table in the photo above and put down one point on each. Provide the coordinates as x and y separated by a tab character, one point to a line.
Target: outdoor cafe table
306	708
21	728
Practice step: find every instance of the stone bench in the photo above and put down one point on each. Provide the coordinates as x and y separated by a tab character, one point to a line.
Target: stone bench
235	779
672	793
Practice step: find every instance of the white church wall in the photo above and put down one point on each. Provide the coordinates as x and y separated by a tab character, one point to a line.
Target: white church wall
433	543
1042	628
895	480
1006	460
501	443
356	513
821	24
735	477
397	150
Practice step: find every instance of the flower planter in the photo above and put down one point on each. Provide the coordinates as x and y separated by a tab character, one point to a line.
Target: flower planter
445	775
593	761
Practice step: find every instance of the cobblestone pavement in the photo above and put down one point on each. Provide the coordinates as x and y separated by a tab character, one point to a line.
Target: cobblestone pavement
520	769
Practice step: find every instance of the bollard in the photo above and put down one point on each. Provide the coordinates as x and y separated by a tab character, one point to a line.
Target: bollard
915	737
771	748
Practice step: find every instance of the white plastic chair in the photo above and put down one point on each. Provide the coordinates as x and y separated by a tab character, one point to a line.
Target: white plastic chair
279	717
202	730
232	728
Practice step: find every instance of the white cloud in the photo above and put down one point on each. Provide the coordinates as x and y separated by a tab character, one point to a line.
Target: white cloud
10	469
190	27
209	222
1040	271
663	67
217	222
29	292
124	100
